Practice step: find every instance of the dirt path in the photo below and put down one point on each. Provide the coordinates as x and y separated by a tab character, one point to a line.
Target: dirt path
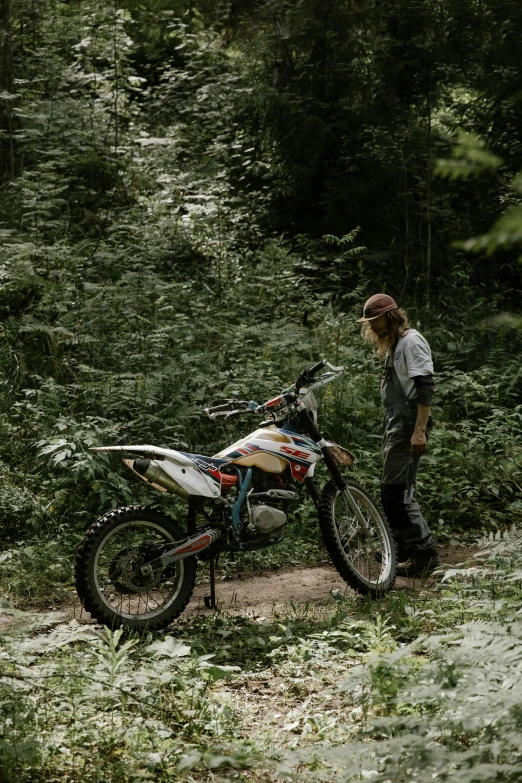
267	593
274	592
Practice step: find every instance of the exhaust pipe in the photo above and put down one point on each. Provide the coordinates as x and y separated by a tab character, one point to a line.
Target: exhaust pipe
156	475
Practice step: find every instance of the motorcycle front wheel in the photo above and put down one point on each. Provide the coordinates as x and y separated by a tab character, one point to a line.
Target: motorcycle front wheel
359	540
109	580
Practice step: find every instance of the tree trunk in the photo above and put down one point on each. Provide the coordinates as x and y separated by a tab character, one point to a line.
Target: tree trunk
7	164
406	225
428	208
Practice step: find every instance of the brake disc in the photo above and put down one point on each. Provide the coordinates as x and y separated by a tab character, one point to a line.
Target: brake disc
125	569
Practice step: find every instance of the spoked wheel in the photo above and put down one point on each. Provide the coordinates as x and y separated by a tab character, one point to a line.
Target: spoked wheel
358	538
109	578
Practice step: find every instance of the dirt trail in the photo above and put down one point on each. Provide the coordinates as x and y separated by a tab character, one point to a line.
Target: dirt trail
267	593
274	592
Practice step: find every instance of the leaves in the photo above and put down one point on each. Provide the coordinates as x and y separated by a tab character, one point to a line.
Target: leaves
471	157
169	647
74	687
176	201
446	703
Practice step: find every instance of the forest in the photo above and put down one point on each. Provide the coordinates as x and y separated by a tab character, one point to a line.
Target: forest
196	199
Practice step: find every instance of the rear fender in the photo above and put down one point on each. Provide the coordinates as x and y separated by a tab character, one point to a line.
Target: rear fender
178	467
153	452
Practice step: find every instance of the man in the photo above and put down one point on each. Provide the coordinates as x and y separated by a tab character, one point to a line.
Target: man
407	394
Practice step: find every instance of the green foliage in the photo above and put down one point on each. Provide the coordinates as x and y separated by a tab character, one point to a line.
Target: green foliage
38	571
446	704
472	158
359	104
355	688
84	709
179	187
19	509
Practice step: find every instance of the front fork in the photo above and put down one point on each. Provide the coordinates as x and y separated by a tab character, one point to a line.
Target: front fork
342	485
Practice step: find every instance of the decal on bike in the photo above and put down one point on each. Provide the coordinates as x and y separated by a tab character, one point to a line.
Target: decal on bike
306	442
197	544
295	452
206	466
276	401
298	470
298	459
209	468
248	448
243	451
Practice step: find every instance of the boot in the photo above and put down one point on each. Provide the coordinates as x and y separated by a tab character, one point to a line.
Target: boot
402	555
403	552
421	563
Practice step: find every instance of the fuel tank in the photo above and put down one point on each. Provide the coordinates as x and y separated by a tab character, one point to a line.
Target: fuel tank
272	449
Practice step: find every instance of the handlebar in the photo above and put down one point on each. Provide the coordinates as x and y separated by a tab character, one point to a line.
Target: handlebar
231	409
227	406
309	373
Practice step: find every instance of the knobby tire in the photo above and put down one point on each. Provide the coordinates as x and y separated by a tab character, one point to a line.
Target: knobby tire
336	551
85	566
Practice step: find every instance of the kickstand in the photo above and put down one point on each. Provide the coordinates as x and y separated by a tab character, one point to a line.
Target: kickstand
210	600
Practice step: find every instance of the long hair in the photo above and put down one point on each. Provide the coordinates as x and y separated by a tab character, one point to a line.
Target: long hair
397	325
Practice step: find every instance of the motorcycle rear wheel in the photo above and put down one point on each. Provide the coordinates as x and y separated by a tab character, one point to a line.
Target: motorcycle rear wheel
109	582
367	561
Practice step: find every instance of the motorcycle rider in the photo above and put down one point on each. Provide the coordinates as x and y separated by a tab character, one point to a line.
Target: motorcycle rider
407	394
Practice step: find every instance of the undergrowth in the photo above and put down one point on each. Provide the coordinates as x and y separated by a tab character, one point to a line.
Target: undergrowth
422	684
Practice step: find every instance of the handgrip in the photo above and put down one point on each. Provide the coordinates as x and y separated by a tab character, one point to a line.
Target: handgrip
316	367
227	405
308	374
232	408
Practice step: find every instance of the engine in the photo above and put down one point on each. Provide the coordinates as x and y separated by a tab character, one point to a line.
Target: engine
263	481
267	503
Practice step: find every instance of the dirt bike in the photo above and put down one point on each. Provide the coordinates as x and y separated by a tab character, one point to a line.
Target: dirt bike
136	567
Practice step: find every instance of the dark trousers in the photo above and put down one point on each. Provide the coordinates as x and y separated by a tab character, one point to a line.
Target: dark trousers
399	474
